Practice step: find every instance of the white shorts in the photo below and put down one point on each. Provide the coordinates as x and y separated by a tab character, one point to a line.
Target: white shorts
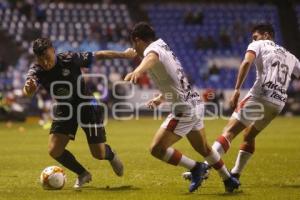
185	122
257	112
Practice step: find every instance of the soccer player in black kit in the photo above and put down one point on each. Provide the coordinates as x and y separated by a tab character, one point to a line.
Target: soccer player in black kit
59	75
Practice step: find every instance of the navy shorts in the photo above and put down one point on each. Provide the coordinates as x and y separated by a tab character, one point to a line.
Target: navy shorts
89	117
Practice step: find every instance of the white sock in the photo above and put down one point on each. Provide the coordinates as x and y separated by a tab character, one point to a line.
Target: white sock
221	145
174	157
224	173
187	162
241	161
214	160
218	147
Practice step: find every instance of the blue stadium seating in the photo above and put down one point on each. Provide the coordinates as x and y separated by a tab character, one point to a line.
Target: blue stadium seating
168	20
69	25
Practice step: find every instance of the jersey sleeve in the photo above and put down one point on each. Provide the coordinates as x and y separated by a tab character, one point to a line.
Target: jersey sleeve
254	47
154	49
296	70
83	59
34	73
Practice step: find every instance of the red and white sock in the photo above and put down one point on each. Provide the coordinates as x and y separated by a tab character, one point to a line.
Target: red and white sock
244	155
214	160
174	157
221	145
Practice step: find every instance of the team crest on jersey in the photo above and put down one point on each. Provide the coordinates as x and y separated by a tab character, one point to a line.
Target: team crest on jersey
65	72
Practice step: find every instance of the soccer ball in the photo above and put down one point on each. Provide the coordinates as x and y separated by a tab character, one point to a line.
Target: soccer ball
53	178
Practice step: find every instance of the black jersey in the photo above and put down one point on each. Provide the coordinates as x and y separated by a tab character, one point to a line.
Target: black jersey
62	81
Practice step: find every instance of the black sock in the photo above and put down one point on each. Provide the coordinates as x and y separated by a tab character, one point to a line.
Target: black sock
109	155
69	161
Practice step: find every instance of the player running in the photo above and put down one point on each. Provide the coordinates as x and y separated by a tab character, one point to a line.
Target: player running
266	99
186	118
60	76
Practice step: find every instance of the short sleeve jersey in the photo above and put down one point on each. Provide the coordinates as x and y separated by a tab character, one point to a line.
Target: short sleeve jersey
63	80
168	74
274	68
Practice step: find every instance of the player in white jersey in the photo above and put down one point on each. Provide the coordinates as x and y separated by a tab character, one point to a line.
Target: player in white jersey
274	69
186	118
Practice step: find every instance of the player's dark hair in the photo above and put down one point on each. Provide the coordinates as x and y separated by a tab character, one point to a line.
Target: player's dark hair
264	28
143	31
40	45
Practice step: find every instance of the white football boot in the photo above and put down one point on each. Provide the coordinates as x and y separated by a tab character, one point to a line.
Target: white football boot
82	179
117	165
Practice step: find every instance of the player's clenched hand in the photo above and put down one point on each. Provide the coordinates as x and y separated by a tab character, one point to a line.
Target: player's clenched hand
130	53
234	99
154	102
30	86
132	77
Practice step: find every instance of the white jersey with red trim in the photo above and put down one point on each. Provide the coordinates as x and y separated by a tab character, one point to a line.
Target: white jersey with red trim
169	77
274	68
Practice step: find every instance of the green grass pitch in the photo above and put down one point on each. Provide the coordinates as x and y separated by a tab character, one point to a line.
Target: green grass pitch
272	173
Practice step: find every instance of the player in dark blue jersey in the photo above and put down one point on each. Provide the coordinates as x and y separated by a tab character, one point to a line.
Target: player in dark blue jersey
61	76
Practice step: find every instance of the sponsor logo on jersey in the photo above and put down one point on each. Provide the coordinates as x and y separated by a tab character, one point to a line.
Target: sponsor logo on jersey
277	96
274	86
65	72
277	88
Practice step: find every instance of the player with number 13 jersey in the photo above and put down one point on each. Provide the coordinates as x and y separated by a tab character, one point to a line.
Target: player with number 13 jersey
275	67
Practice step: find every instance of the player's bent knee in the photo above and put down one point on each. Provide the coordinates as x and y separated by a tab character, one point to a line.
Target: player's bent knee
98	151
57	144
248	147
249	137
229	134
55	152
158	151
98	155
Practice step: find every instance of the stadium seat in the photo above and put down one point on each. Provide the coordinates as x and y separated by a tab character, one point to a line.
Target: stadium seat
217	16
69	24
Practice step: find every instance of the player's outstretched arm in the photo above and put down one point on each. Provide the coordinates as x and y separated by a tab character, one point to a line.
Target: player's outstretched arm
106	54
243	71
29	87
149	61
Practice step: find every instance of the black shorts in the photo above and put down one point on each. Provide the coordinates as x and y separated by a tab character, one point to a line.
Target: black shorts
89	117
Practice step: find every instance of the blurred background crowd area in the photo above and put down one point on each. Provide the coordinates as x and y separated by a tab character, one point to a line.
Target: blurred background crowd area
209	37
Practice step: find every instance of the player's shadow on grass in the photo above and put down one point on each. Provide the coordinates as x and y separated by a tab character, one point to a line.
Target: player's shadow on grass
235	193
114	189
223	194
